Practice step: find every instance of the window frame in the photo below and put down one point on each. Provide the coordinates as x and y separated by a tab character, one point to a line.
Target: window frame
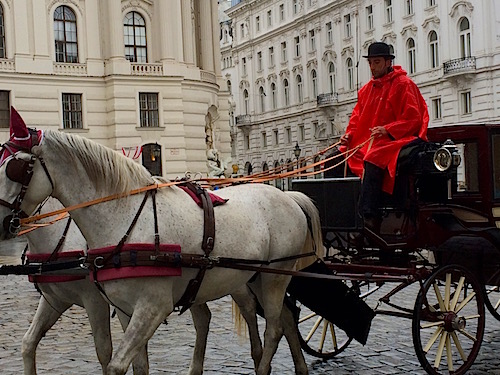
72	118
61	46
149	116
135	47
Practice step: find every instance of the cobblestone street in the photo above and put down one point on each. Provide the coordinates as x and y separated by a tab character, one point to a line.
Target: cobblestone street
68	348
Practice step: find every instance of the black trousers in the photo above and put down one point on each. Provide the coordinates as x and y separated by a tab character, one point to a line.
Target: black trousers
371	192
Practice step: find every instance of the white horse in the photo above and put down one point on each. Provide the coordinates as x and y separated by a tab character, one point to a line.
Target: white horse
61	292
259	223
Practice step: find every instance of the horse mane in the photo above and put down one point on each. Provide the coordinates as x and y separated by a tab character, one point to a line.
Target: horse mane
107	169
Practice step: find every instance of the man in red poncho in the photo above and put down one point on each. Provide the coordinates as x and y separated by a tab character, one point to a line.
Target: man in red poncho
390	109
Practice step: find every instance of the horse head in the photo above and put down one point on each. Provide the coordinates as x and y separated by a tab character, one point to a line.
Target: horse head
24	180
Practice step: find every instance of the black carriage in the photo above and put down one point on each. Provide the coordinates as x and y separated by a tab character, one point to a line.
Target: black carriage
439	229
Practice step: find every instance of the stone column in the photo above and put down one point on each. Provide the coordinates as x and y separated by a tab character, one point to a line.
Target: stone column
95	63
187	32
170	20
115	29
206	30
216	39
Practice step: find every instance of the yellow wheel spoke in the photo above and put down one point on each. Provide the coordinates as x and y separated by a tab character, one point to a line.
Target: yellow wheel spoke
458	290
433	339
465	302
334	336
459	346
438	296
449	358
497	304
470	317
433	324
307	317
313	329
323	336
447	290
467	334
439	353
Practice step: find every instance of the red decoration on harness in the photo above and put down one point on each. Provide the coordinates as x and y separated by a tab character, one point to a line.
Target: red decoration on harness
40	258
126	272
216	200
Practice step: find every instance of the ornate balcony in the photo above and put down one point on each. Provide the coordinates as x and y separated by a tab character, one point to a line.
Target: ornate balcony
243	120
138	69
462	65
327	99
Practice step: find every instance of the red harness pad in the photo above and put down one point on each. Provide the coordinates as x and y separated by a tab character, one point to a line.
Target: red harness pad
40	258
216	200
125	272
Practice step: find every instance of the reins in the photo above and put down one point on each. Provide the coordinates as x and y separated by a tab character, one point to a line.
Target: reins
219	182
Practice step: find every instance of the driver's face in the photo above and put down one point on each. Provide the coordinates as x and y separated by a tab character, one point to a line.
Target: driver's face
379	66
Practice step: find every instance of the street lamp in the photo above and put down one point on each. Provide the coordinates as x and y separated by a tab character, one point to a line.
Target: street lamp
155	151
297	151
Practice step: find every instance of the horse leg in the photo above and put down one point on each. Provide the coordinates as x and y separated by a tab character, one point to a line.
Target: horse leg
45	317
292	336
145	319
201	318
140	364
247	302
271	290
98	313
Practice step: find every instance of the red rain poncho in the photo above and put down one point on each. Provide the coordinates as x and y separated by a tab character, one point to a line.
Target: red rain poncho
394	102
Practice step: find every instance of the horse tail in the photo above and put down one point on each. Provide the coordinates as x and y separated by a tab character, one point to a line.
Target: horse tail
314	240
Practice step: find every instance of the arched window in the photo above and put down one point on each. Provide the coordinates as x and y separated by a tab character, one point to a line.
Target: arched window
265	168
433	49
331	77
350	74
66	44
274	99
229	87
412	64
314	84
248	168
3	53
246	101
134	32
464	35
262	97
286	92
300	96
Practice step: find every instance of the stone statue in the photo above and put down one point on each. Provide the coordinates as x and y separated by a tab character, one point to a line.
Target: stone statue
216	166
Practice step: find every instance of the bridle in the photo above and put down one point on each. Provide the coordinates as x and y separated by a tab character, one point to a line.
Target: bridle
20	171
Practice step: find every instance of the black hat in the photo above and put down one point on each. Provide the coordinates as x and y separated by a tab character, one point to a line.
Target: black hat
379	49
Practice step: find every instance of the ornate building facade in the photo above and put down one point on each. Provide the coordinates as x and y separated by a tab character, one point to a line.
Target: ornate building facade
139	76
294	67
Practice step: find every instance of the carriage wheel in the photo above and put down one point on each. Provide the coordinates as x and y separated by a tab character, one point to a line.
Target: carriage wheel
492	300
320	337
448	321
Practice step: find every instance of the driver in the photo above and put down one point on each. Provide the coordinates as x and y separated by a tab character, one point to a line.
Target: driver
392	113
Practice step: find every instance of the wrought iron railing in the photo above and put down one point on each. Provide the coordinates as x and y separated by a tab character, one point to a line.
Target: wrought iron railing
327	99
243	119
463	64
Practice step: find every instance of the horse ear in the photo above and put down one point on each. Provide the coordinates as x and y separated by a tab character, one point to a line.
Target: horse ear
18	129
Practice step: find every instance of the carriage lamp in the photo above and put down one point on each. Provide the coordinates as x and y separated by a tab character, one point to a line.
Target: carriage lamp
155	152
446	156
297	151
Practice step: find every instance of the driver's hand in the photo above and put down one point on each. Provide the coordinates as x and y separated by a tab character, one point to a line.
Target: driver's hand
344	139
